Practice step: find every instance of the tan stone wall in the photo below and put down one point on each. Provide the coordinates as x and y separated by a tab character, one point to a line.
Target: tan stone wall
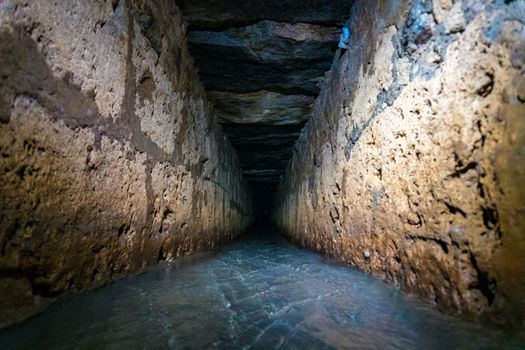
110	159
412	166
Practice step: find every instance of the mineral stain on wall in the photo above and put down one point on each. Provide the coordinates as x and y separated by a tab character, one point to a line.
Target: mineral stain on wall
110	157
410	167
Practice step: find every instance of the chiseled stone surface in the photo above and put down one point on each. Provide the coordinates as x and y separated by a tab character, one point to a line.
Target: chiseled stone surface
275	56
110	159
217	14
412	165
261	107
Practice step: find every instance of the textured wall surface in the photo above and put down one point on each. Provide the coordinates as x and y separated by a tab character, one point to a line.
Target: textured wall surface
412	164
109	157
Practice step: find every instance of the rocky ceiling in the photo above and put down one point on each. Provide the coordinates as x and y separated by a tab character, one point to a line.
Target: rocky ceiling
262	63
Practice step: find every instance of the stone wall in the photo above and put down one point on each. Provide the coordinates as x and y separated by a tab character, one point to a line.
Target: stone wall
412	164
110	159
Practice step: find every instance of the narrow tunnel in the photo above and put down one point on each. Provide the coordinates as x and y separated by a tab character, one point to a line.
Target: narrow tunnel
249	174
262	66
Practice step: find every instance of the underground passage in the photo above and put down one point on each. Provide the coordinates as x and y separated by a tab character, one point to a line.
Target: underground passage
187	174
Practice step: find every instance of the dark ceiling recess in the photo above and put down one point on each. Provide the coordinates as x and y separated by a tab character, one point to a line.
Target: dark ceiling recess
262	63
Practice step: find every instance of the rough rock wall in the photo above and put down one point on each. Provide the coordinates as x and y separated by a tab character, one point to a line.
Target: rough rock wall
109	157
412	166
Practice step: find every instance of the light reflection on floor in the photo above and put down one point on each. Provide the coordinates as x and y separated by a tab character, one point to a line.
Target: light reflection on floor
259	292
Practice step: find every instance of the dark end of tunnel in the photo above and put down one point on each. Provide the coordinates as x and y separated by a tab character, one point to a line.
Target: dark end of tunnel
263	194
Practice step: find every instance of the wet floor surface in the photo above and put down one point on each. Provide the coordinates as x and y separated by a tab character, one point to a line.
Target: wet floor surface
259	293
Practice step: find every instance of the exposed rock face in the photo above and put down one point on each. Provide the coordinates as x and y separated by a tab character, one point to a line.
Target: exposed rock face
412	164
110	159
261	107
262	63
280	57
206	14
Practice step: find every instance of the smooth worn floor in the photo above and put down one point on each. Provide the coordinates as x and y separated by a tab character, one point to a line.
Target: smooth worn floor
260	293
